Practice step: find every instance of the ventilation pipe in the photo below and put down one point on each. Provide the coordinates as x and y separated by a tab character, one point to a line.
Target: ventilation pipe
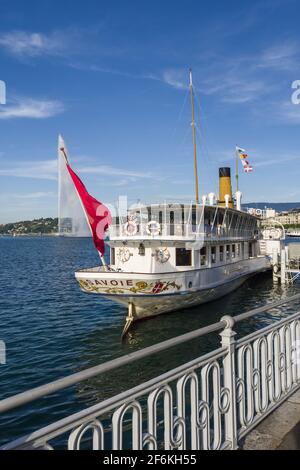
227	200
238	197
212	199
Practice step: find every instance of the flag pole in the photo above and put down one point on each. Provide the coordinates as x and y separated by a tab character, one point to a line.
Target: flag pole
63	151
237	169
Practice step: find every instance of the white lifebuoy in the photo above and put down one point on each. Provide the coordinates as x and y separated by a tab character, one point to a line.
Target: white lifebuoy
258	212
123	255
162	255
130	228
153	228
276	233
275	268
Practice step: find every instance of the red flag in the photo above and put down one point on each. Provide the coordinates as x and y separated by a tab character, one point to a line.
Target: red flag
97	213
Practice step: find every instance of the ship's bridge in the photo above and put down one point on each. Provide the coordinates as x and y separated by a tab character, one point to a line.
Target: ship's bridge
171	221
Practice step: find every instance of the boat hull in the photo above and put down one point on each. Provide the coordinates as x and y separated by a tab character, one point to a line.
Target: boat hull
154	294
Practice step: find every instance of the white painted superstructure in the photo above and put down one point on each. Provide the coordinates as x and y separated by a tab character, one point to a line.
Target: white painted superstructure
166	257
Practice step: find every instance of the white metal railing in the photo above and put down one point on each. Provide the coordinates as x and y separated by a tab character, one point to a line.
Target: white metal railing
211	402
184	231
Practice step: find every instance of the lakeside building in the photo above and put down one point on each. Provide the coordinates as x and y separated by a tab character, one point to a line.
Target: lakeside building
291	217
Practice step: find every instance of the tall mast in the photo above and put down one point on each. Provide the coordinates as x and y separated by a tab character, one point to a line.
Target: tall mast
194	137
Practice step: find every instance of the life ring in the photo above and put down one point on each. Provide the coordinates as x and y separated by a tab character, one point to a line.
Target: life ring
276	233
275	268
123	255
130	228
153	228
258	212
162	255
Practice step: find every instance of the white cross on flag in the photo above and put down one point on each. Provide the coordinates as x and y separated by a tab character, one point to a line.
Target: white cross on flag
241	153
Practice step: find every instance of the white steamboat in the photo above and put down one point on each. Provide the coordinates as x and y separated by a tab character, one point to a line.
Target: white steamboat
166	257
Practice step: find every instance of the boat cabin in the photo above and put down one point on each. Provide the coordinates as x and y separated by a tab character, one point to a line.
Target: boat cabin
178	237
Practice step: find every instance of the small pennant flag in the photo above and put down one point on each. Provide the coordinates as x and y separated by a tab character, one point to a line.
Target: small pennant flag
244	159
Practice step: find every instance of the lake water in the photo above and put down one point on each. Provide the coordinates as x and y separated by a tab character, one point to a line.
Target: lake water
52	329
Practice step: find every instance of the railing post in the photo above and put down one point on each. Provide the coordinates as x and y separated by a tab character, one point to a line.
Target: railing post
228	342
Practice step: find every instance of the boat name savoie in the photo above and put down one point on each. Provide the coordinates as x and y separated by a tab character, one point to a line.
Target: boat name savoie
113	282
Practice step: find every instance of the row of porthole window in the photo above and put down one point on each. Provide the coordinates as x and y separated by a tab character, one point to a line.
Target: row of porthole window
225	252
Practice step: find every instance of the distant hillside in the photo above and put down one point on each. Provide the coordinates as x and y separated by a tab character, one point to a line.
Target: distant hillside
26	227
278	206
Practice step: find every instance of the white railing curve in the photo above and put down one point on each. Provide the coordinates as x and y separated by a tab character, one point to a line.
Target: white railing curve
211	402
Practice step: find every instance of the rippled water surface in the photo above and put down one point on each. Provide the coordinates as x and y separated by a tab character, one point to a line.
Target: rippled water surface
52	329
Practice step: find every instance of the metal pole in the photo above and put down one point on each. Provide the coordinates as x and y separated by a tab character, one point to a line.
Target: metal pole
237	170
283	267
228	341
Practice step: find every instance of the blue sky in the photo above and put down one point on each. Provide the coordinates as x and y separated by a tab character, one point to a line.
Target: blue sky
112	78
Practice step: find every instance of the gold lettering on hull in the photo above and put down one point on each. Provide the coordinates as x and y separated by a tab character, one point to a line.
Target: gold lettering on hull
127	286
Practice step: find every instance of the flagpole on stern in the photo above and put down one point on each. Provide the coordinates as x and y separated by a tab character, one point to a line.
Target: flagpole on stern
194	137
62	149
236	168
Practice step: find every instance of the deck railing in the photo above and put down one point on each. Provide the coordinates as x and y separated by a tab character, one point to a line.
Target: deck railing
211	402
180	231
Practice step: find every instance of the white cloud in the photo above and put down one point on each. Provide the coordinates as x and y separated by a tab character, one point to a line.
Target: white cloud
282	56
112	171
37	195
31	108
46	169
22	43
175	78
243	91
289	112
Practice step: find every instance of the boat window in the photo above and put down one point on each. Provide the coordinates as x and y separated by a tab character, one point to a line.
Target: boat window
183	257
149	214
221	253
203	256
141	249
251	251
213	254
160	218
112	256
227	252
238	250
233	251
171	222
194	219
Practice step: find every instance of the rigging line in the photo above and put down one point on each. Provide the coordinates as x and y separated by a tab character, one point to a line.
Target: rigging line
205	154
210	149
201	111
203	141
180	146
179	115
